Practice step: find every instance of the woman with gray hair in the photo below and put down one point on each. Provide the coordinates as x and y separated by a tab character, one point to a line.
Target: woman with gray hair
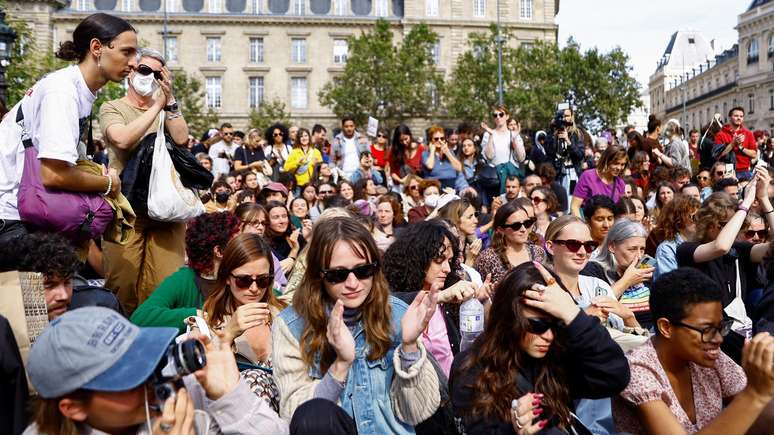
618	261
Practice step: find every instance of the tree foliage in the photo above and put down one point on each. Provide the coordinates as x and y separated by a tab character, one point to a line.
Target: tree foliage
386	80
537	77
190	96
267	114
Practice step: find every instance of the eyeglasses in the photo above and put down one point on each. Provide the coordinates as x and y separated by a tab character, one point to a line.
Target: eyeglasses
438	139
575	245
335	276
537	325
498	115
701	177
246	281
413	187
256	224
762	234
145	70
516	226
537	200
708	333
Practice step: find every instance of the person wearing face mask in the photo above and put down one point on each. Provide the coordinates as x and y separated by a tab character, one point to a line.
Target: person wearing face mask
221	198
430	191
156	249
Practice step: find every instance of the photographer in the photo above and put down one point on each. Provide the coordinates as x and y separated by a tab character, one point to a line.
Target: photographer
565	147
93	371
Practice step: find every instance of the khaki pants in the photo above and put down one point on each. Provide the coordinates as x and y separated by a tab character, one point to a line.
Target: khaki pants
155	251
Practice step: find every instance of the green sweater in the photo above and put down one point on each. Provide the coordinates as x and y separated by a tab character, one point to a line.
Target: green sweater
171	303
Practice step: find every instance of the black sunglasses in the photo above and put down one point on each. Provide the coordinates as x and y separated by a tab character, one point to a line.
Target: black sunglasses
325	192
516	226
708	333
278	134
538	325
498	115
228	133
575	245
335	276
380	135
537	200
246	281
762	234
719	173
145	70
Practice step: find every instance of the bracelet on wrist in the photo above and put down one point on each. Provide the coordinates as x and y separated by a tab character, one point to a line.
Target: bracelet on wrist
110	185
768	212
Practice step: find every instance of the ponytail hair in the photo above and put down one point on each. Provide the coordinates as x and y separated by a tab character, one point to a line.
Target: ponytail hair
103	27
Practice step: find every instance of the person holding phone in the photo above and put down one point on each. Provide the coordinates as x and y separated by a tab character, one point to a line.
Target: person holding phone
739	141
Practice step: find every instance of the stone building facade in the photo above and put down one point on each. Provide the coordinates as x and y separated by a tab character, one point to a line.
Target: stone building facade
249	51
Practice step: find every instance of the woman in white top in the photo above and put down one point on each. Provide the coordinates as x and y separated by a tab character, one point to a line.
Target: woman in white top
56	111
503	146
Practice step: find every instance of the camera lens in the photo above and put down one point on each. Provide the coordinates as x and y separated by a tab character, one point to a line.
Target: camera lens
189	357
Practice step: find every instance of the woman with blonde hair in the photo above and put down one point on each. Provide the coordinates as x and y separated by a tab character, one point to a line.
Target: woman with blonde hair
348	350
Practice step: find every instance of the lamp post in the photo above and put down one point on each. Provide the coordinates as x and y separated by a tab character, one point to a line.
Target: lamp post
7	37
499	59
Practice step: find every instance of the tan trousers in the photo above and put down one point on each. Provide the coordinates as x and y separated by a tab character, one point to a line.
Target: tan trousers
155	251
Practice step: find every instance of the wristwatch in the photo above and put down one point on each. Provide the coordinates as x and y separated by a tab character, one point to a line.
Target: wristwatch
172	107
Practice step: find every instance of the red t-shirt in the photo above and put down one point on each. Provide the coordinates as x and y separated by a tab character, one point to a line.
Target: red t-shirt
726	135
380	156
415	163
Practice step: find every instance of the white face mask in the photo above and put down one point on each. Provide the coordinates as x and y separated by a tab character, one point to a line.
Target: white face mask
144	85
432	200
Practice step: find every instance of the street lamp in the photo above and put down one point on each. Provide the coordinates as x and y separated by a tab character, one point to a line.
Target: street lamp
7	36
499	41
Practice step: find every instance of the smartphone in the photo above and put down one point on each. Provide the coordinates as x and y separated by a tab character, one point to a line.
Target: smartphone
646	262
729	171
485	140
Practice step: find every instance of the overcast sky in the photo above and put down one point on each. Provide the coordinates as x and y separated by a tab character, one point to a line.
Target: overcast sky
643	28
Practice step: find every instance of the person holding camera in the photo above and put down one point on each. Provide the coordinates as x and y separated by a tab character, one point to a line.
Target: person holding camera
97	373
565	147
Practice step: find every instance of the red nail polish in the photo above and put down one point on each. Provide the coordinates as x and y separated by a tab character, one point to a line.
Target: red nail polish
536	402
543	424
537	411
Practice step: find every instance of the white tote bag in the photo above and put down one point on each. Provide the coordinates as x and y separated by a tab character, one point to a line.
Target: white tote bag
168	199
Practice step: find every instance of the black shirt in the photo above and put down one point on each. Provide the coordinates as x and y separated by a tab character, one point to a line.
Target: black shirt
722	269
246	155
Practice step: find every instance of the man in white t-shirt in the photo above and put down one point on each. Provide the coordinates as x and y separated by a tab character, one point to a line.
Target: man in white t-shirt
222	153
346	147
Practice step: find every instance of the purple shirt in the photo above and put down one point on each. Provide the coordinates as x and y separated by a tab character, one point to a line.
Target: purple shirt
589	184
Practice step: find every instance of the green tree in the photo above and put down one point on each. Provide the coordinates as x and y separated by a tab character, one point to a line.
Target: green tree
267	114
386	80
191	97
537	77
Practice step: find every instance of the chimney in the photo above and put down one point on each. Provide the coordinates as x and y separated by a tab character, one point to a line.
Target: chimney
712	45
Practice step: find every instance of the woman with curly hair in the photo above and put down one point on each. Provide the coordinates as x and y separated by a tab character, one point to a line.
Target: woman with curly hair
182	294
349	350
675	225
538	355
510	243
715	251
279	151
430	248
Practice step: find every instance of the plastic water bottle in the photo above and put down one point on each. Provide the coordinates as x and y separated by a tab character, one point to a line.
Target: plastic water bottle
471	321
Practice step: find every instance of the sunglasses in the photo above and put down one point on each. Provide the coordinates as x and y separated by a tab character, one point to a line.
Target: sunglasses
145	70
228	133
537	325
702	178
537	200
575	245
498	115
413	187
326	192
277	135
762	234
246	281
516	226
335	276
719	173
380	135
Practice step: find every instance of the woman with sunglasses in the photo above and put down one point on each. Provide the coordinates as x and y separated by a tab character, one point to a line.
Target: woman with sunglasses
606	179
510	244
681	382
439	161
546	208
279	151
348	347
254	220
715	251
505	148
538	355
412	195
302	158
241	308
380	150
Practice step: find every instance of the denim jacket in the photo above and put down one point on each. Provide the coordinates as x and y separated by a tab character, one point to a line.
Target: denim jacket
366	396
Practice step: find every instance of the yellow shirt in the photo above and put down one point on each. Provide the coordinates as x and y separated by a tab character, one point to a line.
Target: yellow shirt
302	164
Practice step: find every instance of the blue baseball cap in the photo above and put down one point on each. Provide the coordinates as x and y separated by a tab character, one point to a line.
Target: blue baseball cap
95	348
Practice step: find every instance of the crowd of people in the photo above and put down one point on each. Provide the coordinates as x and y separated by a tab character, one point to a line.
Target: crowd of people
626	281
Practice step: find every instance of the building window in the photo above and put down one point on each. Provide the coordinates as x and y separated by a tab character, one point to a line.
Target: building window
434	101
171	53
340	51
214	92
382	8
431	8
435	53
298	7
340	7
298	93
256	50
216	6
751	103
126	5
255	92
752	51
298	50
479	8
213	49
525	11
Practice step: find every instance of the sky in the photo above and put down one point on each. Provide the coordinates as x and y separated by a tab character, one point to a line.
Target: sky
643	28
